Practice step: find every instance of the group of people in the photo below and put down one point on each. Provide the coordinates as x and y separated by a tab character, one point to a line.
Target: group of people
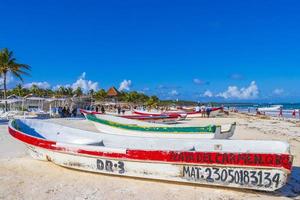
280	112
101	108
204	110
294	112
67	112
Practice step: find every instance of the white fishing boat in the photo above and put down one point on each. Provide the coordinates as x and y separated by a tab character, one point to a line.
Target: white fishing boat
117	125
180	114
273	108
259	165
164	119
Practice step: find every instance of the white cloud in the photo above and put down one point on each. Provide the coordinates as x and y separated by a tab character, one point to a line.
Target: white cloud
42	85
174	93
208	93
200	82
58	86
250	92
278	91
125	85
85	85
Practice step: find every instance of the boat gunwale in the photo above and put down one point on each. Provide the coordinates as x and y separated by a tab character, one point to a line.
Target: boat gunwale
78	149
160	129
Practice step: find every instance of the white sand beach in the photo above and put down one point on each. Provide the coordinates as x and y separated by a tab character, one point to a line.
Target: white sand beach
22	177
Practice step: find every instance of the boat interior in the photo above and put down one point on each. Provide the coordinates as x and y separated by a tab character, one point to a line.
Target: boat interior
66	135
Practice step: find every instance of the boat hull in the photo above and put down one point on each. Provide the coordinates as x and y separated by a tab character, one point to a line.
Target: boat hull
251	165
153	119
180	115
218	134
228	176
117	131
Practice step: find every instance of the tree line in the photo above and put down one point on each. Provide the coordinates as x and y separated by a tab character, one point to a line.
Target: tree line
9	64
99	95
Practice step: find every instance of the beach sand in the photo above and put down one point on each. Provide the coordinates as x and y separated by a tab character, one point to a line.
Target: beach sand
22	177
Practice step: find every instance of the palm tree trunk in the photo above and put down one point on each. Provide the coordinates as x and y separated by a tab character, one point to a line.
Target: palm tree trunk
4	94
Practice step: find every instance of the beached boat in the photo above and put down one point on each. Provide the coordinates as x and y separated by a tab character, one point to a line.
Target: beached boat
196	114
167	119
259	165
273	108
117	125
180	114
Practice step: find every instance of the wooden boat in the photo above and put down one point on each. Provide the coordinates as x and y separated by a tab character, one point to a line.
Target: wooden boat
196	114
259	165
117	125
181	114
168	119
82	111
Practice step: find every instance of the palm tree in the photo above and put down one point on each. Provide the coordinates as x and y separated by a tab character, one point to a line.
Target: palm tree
91	92
69	91
61	91
100	95
152	101
8	64
18	90
34	89
78	92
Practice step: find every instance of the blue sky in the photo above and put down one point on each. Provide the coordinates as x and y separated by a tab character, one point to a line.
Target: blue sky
197	50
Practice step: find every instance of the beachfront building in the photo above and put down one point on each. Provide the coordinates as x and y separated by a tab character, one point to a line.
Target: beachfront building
14	103
112	94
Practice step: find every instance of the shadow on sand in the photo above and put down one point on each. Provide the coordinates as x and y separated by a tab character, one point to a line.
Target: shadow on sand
292	188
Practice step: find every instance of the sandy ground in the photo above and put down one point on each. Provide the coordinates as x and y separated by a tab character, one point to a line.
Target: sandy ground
22	177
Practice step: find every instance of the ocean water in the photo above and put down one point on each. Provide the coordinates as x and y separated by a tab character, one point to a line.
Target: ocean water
287	110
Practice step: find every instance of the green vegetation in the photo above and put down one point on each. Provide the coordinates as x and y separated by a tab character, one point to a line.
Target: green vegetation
100	95
9	64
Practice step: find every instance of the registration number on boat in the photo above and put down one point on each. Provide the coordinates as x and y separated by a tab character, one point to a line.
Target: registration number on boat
253	177
110	166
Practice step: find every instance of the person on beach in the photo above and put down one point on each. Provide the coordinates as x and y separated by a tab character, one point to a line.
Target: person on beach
119	109
68	112
59	110
203	110
64	110
97	109
197	109
208	110
294	114
74	112
280	112
257	112
102	109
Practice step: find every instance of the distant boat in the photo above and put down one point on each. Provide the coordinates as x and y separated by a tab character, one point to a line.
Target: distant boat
258	165
273	108
213	112
180	114
163	118
167	119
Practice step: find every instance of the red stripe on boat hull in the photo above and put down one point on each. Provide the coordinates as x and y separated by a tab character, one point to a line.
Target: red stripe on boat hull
189	157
